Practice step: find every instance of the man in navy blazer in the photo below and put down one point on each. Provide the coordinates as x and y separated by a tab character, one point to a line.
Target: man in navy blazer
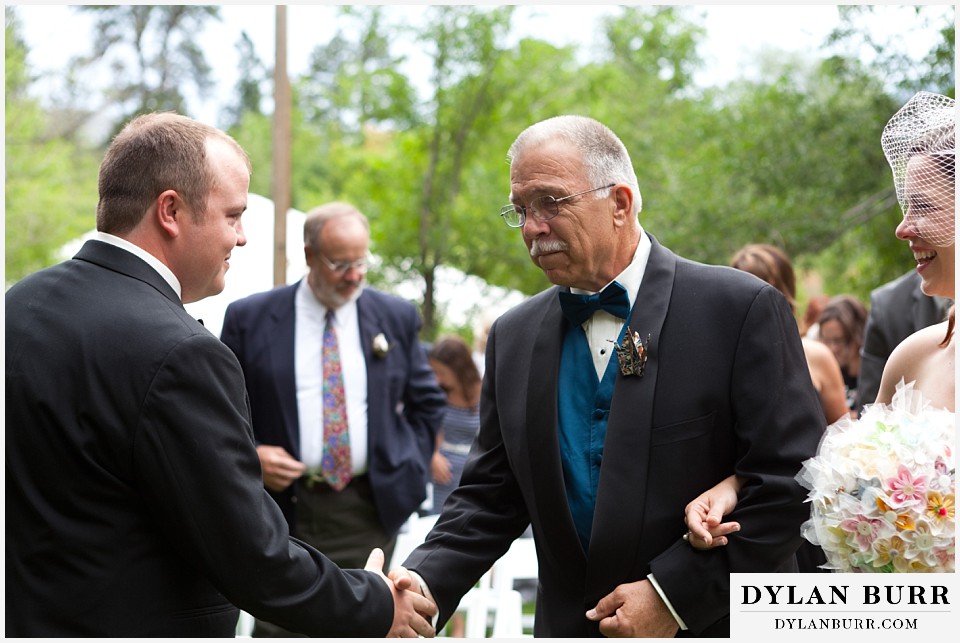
393	402
134	501
599	439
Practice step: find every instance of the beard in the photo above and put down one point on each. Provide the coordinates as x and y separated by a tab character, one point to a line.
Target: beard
336	295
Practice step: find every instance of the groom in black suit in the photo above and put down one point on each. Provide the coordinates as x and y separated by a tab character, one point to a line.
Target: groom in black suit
599	439
134	501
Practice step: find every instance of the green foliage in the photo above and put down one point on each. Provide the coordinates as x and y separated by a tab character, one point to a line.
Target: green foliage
250	86
153	52
51	183
791	157
357	83
936	72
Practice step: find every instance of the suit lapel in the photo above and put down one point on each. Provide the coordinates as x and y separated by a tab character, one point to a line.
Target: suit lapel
544	446
127	263
279	341
370	324
621	493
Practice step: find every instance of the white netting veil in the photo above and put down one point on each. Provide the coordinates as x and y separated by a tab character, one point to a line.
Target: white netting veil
920	145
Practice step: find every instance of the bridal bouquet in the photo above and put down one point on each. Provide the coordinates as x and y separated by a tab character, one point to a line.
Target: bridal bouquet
882	489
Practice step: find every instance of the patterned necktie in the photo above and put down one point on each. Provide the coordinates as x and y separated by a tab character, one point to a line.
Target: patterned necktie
336	466
579	308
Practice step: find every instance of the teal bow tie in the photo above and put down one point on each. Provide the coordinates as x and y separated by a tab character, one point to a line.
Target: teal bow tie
578	308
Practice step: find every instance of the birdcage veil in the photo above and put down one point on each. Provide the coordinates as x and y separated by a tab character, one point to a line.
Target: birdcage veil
919	143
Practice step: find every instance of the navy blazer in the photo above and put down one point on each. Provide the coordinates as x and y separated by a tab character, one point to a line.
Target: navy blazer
725	389
404	402
135	505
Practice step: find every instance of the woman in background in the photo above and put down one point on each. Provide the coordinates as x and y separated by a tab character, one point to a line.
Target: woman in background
457	374
841	329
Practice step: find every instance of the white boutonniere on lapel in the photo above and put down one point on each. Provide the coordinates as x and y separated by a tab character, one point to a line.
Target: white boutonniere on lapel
632	354
380	345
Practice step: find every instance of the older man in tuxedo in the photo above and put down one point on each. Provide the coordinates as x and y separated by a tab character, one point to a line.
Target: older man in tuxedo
615	397
135	505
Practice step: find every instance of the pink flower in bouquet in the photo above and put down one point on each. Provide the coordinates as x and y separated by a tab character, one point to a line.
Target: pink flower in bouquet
906	489
863	529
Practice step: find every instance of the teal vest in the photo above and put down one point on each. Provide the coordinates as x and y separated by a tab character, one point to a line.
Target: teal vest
582	409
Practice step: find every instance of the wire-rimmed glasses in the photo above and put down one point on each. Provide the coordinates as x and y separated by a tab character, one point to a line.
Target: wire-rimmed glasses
341	267
543	208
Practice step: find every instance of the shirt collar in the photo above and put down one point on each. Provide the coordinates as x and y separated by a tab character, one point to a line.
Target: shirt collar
632	275
152	261
308	303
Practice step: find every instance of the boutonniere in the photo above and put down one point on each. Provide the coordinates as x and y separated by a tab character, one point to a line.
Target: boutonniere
380	345
632	354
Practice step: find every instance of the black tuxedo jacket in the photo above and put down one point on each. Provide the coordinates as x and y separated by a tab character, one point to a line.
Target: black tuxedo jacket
134	502
404	402
726	389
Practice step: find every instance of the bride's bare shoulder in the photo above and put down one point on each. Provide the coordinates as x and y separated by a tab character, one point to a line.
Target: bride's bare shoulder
918	357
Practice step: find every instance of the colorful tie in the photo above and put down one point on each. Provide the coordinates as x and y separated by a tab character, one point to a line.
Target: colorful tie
336	465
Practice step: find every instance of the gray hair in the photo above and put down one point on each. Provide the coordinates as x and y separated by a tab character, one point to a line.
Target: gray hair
318	217
604	155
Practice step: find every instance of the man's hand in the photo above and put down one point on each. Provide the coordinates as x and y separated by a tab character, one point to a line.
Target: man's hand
634	610
411	611
403	579
279	468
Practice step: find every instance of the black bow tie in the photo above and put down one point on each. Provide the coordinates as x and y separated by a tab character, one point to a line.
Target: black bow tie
579	308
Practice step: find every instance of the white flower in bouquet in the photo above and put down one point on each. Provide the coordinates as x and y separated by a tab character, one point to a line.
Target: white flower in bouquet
882	489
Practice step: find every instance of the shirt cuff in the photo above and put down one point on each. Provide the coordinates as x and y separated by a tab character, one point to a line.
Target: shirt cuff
666	601
425	590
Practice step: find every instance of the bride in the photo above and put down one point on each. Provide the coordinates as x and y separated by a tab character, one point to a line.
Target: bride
924	167
919	144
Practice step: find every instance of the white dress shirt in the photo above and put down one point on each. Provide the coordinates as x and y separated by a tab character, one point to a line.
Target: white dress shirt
602	328
154	263
308	354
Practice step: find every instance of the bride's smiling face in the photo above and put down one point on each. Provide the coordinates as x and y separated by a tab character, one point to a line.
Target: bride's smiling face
929	223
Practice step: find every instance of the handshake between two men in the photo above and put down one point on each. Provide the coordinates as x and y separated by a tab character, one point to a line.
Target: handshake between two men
413	613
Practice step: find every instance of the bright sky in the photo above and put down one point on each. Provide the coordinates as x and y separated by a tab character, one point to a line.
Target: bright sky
736	33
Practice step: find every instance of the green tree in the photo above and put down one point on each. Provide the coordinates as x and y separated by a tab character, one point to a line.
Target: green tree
254	77
153	52
50	181
935	72
355	82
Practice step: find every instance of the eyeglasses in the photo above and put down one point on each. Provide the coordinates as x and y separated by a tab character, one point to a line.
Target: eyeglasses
341	267
543	208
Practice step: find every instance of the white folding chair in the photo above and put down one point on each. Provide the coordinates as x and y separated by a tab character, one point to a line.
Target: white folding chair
411	535
518	563
494	603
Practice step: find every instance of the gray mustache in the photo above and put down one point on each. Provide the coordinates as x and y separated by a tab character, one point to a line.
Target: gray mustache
538	247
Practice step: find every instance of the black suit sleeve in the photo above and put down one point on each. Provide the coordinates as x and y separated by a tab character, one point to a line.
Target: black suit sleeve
778	425
198	468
